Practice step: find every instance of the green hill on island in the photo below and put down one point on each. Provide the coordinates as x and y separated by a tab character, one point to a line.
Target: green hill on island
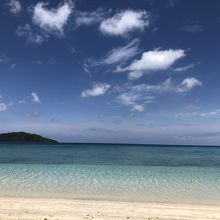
23	137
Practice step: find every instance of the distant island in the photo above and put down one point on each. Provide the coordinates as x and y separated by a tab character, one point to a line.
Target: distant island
23	137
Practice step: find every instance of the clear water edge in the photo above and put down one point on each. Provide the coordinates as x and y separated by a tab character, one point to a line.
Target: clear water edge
159	175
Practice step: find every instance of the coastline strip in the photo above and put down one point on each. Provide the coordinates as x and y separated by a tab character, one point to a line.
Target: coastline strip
65	209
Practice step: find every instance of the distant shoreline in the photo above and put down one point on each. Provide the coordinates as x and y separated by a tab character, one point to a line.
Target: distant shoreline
24	137
110	144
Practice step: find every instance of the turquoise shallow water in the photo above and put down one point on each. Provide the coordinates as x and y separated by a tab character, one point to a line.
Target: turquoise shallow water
140	173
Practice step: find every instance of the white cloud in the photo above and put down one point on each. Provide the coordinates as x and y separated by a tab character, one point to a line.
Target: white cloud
201	114
120	54
138	108
35	98
15	7
137	96
27	32
97	90
128	98
185	68
168	86
193	28
156	60
115	56
89	18
52	20
86	68
3	107
10	104
22	101
135	74
215	112
32	114
124	22
153	61
188	84
172	3
165	86
13	65
4	59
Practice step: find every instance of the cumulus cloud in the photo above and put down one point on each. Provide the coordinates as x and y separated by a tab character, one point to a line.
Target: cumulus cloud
188	84
157	60
27	32
35	98
138	108
15	7
135	74
124	22
89	18
3	107
52	20
97	90
185	68
152	61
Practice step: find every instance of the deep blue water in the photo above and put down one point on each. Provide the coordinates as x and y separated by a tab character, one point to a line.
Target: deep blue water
124	172
102	154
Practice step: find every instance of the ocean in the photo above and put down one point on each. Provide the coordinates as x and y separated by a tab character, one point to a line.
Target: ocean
149	173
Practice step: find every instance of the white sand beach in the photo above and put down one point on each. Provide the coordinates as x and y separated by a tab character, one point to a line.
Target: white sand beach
64	209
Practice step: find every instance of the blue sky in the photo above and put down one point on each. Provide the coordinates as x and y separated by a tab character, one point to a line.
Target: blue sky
144	71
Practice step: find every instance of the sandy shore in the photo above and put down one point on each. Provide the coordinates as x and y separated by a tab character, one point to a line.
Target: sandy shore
63	209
